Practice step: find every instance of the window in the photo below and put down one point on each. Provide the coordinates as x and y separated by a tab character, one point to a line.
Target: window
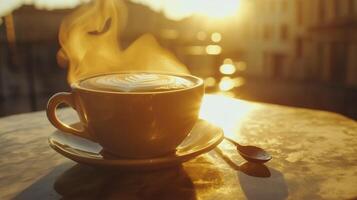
299	47
267	32
299	12
320	59
338	61
321	11
277	66
284	32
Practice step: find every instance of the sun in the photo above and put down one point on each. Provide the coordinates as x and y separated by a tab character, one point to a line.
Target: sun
178	9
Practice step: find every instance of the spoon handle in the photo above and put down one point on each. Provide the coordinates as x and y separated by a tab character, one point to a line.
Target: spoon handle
233	142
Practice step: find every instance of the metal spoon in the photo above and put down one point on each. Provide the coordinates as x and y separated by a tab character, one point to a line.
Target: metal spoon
251	153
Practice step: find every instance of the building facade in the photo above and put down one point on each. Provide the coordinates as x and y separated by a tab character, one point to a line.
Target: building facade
303	40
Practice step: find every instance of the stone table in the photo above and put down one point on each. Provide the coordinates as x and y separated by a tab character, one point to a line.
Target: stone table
314	157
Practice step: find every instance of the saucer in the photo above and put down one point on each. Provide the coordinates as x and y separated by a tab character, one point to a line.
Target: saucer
203	138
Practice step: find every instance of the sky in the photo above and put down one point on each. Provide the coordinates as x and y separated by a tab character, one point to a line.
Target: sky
7	6
173	9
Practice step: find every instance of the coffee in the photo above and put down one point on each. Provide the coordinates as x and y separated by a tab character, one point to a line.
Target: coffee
137	82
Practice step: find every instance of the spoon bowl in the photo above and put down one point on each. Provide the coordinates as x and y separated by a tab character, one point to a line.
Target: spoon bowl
251	153
254	154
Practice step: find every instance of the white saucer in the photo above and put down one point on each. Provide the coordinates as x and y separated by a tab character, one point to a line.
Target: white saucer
203	138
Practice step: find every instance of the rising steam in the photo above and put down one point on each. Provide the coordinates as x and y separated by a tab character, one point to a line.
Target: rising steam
89	38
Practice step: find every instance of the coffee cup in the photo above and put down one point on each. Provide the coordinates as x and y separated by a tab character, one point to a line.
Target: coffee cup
132	114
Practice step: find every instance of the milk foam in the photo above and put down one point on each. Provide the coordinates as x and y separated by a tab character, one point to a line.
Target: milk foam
137	82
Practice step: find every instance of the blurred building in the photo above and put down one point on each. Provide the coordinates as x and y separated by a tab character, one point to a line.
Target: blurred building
305	40
332	32
267	46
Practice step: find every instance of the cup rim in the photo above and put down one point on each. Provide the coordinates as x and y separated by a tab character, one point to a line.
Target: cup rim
76	84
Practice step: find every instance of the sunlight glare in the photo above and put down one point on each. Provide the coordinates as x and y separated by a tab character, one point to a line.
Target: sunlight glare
216	37
226	84
173	9
179	9
225	112
227	69
213	49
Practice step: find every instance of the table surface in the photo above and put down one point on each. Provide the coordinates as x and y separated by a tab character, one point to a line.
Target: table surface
314	157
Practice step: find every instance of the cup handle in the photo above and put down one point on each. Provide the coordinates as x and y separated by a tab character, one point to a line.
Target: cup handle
66	98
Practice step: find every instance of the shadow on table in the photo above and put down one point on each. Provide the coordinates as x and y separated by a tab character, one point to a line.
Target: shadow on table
273	187
68	181
258	181
43	188
83	182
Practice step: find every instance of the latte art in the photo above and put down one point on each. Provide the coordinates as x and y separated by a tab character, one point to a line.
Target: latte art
137	82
